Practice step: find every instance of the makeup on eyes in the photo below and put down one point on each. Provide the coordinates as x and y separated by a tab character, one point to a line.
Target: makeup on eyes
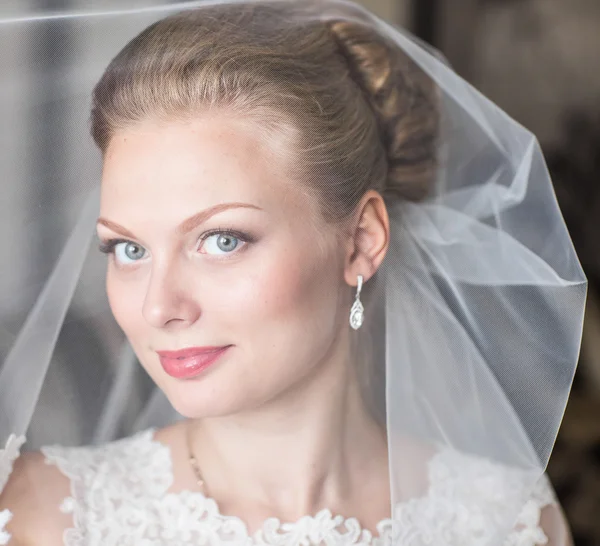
107	246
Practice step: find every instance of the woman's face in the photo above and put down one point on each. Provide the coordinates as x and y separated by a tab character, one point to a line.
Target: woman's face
217	249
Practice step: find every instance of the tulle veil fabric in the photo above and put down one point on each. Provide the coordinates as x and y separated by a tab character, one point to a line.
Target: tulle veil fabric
473	322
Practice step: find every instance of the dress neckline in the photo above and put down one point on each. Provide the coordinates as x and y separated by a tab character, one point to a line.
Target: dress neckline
120	489
320	523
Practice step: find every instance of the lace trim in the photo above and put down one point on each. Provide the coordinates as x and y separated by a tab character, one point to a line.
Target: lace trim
8	456
120	489
469	501
450	512
323	528
527	530
5	517
136	504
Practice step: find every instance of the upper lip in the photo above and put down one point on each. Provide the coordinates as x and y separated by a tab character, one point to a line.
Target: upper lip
190	351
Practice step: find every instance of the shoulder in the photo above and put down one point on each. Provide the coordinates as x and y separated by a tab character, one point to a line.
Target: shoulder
555	526
33	495
132	466
470	496
542	516
50	489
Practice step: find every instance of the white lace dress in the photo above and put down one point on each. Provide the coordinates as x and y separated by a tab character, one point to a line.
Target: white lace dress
119	496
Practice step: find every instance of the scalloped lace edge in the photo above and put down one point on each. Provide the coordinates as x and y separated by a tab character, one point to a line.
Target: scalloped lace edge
527	532
8	456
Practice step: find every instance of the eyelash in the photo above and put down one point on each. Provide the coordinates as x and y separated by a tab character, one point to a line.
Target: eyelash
108	246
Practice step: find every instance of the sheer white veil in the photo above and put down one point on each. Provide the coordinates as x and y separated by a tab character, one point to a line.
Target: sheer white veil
473	321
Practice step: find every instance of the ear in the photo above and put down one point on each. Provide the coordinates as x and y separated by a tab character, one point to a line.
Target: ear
369	238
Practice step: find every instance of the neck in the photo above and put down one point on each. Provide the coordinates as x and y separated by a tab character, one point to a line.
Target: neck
312	448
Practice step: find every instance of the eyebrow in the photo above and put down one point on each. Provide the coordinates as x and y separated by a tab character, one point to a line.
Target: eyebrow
188	224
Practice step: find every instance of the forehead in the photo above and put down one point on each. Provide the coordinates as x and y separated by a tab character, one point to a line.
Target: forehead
199	162
150	151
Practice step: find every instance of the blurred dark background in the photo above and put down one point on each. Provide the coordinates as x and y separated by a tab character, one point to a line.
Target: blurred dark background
540	61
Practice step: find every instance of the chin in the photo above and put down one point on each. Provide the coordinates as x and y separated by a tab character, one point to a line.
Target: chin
200	399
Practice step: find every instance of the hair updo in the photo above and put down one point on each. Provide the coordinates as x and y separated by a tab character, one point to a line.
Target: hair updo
347	107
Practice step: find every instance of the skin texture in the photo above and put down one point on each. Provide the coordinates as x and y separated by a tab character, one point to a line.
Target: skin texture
284	395
266	298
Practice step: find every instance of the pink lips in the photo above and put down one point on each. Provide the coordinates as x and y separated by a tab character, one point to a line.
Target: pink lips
188	363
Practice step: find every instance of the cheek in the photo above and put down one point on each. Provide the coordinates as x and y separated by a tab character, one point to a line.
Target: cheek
289	301
124	304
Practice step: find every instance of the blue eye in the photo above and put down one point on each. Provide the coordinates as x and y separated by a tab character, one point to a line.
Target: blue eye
129	251
125	252
221	242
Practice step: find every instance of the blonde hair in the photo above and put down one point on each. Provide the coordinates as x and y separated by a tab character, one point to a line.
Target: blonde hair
350	109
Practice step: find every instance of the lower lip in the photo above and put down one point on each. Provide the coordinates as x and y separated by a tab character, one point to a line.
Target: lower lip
185	368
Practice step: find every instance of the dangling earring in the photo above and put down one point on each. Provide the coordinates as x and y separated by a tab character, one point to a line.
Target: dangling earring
357	312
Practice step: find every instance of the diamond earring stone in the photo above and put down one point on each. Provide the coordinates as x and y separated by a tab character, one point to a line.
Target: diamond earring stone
357	312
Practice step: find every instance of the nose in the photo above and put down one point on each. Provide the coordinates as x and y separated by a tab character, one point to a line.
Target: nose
169	302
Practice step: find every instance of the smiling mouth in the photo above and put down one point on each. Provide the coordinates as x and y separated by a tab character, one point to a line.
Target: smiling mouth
191	363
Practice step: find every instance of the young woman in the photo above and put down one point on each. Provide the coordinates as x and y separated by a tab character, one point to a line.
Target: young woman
342	267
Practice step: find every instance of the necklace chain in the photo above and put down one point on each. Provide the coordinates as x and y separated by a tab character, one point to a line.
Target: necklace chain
192	458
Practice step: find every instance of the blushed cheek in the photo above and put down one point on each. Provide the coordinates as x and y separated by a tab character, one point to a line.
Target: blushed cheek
283	292
292	292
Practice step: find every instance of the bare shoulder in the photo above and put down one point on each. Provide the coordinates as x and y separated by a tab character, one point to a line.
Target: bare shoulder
554	524
33	495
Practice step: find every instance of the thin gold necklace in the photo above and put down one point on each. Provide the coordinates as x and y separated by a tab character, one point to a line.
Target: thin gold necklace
193	460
